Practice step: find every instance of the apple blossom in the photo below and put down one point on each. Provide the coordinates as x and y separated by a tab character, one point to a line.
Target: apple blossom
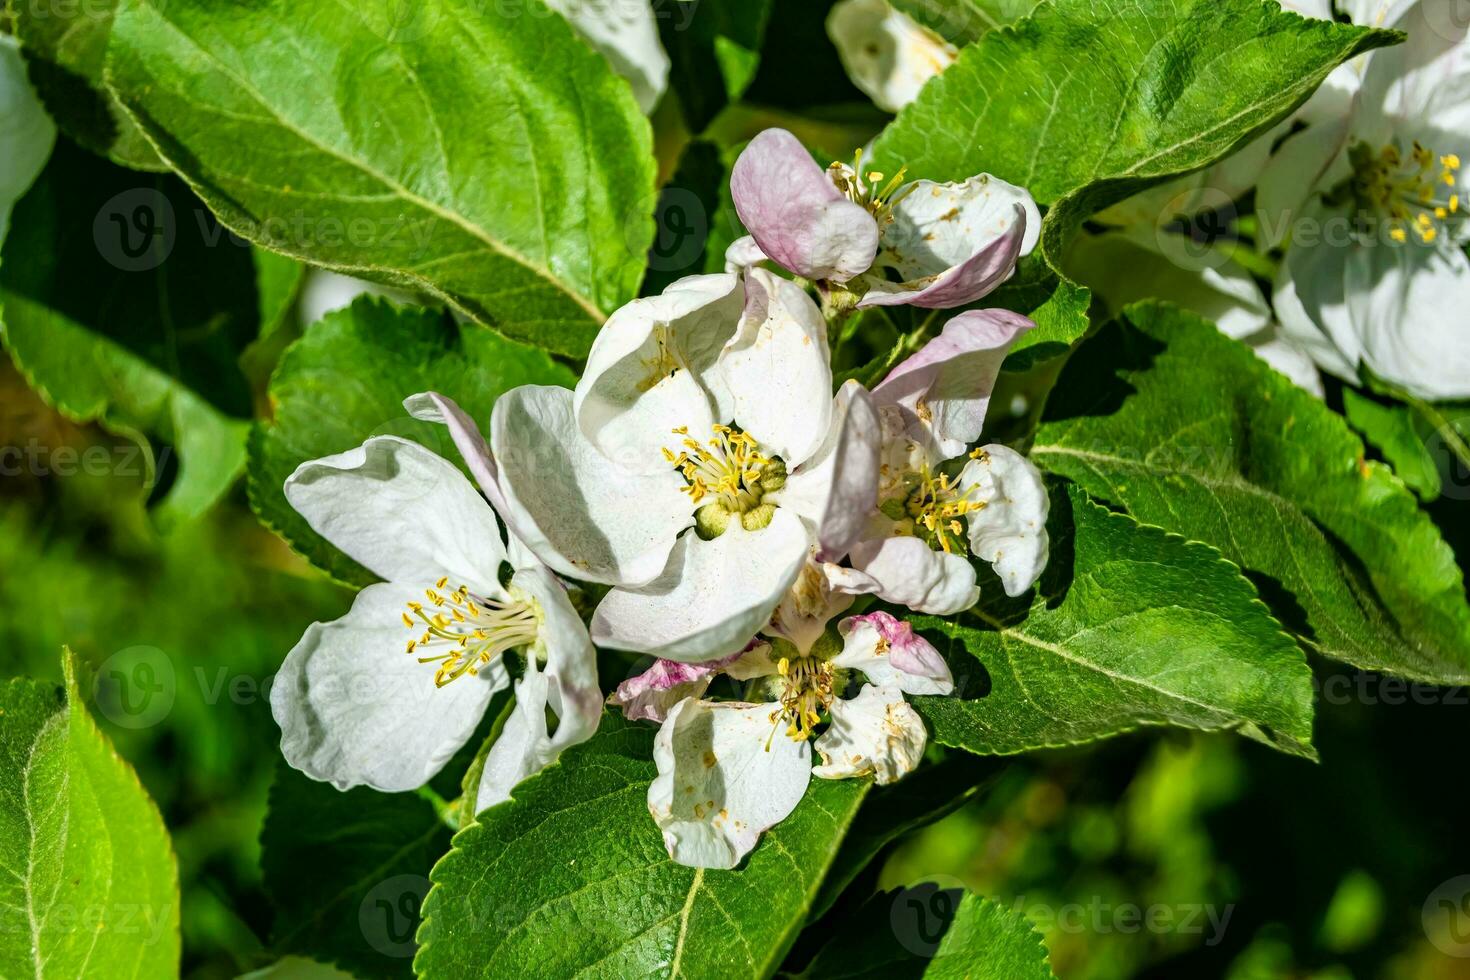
1390	294
699	462
932	408
949	244
886	54
385	695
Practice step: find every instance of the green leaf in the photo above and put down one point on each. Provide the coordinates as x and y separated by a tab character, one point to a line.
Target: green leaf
1085	103
961	22
346	380
1390	429
889	812
1164	416
495	162
125	304
929	932
346	872
571	877
714	49
1061	318
65	46
1130	626
90	885
989	942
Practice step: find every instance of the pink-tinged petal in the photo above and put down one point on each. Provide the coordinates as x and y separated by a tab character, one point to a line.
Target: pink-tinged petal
836	489
951	244
651	694
943	391
890	653
430	406
796	214
973	279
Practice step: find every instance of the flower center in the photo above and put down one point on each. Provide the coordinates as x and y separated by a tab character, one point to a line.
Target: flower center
805	695
463	632
872	193
1416	193
727	476
936	505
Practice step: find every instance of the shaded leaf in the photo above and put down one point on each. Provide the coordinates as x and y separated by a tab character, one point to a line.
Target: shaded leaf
1130	626
1162	415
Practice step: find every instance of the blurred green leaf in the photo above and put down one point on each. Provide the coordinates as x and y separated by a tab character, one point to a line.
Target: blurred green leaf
345	381
496	162
1130	627
714	49
90	878
1163	415
125	304
346	872
571	876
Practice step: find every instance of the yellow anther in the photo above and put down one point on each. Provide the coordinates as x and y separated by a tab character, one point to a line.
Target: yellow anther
471	634
442	582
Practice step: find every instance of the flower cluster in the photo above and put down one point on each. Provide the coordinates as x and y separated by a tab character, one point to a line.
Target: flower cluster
731	505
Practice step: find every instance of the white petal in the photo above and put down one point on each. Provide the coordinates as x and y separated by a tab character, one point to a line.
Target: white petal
910	573
1289	359
713	596
627	35
938	226
943	391
888	651
887	55
1408	304
774	377
26	132
1311	303
582	514
1307	162
430	406
355	709
644	373
808	606
1010	531
837	487
723	779
402	512
875	733
324	291
743	253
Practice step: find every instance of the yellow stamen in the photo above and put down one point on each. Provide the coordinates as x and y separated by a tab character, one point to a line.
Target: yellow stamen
472	633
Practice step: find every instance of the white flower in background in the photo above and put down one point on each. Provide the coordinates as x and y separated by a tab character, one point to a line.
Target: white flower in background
929	515
26	132
384	696
949	244
626	34
887	55
1375	273
729	770
700	461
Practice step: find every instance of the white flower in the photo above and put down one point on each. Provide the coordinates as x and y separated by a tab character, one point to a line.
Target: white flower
932	408
699	462
727	771
26	132
385	695
1375	273
887	55
948	244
